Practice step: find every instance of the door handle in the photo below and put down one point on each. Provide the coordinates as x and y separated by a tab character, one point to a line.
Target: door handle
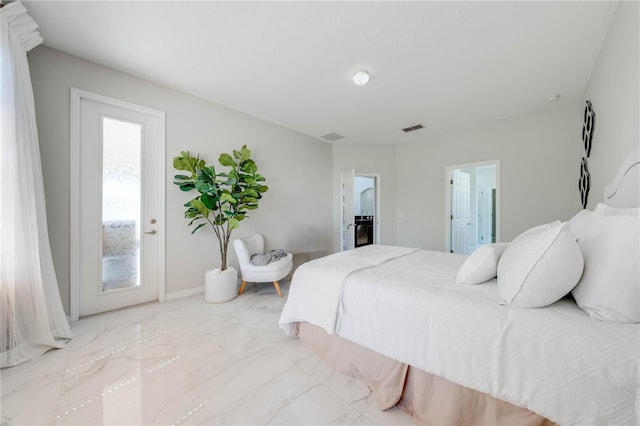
152	232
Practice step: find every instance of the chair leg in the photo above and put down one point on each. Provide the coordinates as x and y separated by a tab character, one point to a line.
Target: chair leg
276	284
244	283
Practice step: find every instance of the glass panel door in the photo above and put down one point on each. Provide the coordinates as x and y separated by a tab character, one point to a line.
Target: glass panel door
117	243
121	204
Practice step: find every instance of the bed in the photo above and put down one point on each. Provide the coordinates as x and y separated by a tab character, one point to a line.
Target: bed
449	353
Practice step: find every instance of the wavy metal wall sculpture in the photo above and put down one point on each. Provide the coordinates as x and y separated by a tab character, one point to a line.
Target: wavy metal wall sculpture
588	125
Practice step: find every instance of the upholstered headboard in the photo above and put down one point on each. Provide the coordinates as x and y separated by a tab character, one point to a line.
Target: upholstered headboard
624	190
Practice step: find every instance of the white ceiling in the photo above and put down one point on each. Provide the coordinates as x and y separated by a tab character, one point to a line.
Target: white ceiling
443	64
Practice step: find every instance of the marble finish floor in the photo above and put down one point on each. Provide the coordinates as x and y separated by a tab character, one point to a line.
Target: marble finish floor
187	362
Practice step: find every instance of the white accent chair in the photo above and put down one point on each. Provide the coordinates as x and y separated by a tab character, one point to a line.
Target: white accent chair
272	272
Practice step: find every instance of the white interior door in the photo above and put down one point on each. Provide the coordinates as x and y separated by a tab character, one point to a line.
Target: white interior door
460	211
348	219
120	249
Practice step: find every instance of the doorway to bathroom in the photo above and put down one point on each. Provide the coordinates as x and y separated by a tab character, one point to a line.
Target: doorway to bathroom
360	195
364	206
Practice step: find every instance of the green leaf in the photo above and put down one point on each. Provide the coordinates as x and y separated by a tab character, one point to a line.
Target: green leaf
182	177
250	193
185	165
197	227
209	201
245	153
205	187
226	160
233	223
207	174
200	207
177	163
229	182
227	198
249	166
236	154
186	186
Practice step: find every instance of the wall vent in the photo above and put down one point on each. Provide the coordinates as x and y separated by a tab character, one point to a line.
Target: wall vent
412	128
333	136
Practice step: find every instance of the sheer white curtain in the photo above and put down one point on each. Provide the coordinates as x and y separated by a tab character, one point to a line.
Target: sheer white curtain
32	320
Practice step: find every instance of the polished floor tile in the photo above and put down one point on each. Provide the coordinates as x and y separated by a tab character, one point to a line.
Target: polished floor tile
187	362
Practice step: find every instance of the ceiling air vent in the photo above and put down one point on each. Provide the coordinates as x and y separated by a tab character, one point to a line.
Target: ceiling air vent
333	136
412	128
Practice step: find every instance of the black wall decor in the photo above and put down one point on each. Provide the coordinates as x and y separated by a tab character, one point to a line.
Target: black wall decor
584	184
588	125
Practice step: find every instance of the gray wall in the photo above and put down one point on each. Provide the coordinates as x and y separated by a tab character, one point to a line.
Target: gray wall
538	173
295	214
614	90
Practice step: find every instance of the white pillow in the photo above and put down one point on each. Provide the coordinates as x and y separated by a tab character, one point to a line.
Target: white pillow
610	286
540	228
482	265
579	223
539	267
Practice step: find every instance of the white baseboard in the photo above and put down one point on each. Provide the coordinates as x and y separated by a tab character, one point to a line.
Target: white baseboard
183	293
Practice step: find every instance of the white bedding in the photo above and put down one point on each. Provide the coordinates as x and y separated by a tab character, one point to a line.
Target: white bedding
555	361
320	284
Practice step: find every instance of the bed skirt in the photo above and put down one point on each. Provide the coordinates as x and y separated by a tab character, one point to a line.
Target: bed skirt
429	399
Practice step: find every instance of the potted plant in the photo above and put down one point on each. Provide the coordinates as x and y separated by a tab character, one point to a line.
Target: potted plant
223	201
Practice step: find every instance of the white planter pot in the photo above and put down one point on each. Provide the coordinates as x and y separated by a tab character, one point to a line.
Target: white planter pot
220	286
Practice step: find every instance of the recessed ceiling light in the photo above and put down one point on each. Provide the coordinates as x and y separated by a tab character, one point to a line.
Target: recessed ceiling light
553	98
360	78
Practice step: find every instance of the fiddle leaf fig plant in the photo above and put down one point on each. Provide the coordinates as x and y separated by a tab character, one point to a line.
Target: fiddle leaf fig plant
224	197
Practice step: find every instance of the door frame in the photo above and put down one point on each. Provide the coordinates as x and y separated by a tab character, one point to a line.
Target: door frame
345	205
447	198
77	95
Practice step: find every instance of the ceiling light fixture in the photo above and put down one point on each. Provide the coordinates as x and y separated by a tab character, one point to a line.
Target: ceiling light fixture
360	78
553	98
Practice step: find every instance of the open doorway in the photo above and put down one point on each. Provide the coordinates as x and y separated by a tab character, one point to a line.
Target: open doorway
473	206
364	203
360	209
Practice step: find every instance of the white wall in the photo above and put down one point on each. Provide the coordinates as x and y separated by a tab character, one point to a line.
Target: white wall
539	164
295	214
367	158
614	90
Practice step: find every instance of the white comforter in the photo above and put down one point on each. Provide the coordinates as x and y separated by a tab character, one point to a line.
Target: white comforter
318	288
555	360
